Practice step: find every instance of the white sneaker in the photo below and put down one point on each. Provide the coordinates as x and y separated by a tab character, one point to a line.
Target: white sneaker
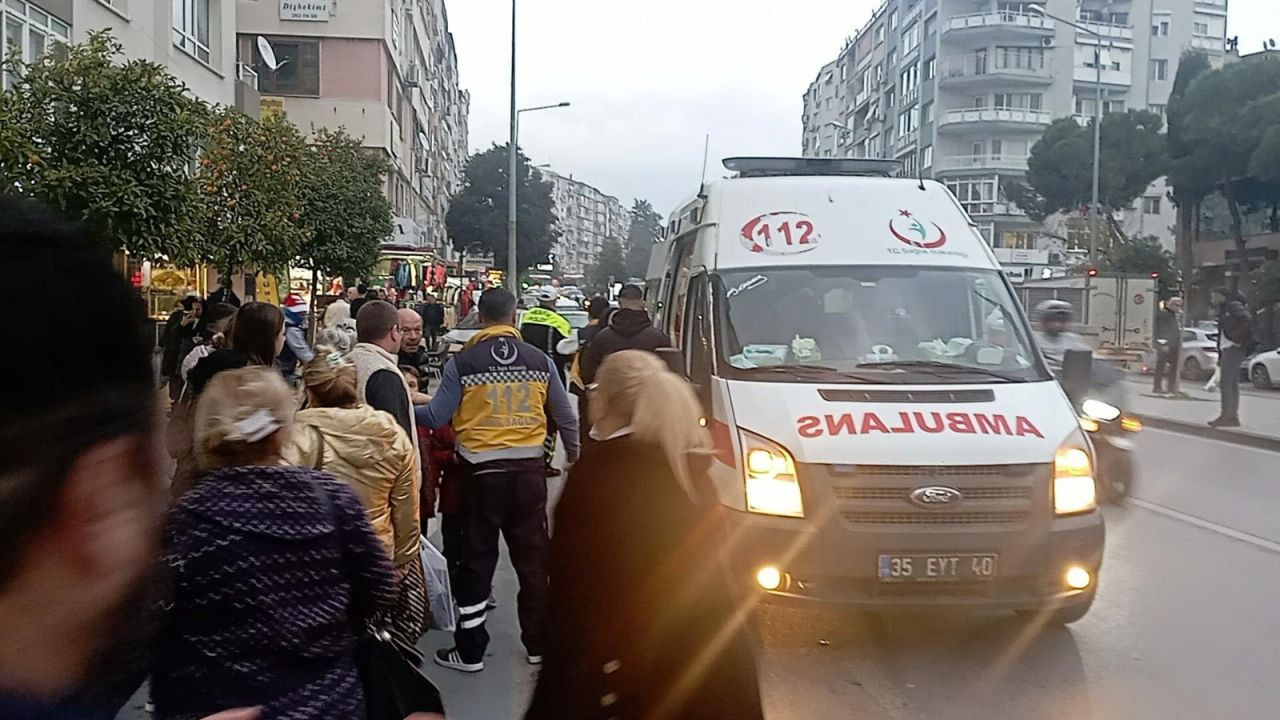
535	659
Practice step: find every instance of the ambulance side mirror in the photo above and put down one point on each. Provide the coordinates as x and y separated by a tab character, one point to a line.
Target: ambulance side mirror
1077	372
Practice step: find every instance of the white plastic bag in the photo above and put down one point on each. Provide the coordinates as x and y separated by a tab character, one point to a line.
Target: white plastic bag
1215	380
444	611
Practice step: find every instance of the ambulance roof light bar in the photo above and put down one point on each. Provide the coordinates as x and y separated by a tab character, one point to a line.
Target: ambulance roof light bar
785	166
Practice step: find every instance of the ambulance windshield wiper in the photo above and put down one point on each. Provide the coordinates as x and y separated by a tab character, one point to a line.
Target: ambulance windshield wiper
938	368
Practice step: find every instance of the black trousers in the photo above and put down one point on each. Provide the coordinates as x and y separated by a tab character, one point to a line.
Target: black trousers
512	501
1167	370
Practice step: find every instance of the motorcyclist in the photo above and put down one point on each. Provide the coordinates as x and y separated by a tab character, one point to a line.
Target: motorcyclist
1054	335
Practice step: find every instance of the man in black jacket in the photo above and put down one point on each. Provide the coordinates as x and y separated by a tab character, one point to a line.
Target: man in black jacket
630	328
432	319
1168	347
1235	339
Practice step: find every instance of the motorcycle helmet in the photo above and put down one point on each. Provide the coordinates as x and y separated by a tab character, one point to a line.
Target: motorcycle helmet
1055	310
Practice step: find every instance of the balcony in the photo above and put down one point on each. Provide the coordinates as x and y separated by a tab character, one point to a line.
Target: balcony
983	118
1210	44
861	98
973	69
1108	31
1110	76
907	140
969	163
985	23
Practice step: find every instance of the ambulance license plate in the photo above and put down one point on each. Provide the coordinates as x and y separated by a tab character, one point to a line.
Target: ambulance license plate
937	568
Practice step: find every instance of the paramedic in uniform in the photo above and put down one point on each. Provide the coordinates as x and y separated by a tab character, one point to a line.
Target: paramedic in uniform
498	393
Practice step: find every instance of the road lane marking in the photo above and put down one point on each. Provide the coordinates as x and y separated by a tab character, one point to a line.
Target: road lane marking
1254	540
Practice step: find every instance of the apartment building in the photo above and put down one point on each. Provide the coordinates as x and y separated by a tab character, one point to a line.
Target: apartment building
193	39
387	71
960	90
586	218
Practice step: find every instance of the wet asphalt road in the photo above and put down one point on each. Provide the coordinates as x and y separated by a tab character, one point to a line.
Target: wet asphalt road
1183	627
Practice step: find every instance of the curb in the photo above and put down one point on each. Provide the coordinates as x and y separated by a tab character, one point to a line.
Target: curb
1234	437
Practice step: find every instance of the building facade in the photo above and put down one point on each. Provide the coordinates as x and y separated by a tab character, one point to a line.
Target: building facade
193	39
960	90
586	218
386	71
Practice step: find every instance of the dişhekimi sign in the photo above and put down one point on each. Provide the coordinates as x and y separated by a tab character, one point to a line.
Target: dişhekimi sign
308	10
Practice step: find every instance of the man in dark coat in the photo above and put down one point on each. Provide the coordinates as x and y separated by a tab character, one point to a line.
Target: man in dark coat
1235	340
1168	347
630	328
432	319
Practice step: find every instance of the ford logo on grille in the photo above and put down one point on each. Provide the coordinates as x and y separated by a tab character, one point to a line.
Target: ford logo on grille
936	496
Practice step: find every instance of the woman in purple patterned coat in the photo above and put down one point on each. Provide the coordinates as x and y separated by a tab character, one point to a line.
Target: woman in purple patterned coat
272	570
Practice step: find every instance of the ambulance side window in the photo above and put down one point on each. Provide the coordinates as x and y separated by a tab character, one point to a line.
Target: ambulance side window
697	339
680	292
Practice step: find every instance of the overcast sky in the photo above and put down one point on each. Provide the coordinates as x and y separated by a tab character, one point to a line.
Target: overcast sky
649	80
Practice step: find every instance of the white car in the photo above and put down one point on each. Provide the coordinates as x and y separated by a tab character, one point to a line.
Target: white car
1199	352
1264	369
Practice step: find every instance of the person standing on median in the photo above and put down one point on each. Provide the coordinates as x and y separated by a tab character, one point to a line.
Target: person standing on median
1235	339
1168	348
499	393
630	328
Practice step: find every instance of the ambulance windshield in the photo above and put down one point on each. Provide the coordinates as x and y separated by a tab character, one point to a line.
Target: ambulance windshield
890	324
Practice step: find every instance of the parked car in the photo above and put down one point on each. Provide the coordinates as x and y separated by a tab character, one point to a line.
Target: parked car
1199	352
1264	369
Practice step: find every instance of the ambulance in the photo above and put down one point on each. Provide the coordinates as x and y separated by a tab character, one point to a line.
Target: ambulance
886	432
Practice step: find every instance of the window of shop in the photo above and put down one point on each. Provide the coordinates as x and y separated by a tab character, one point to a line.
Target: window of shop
1018	240
191	27
28	31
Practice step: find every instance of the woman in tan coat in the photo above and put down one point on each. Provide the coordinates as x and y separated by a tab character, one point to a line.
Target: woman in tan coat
366	449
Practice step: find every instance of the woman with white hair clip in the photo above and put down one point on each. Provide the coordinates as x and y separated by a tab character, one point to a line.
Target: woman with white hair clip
271	569
646	622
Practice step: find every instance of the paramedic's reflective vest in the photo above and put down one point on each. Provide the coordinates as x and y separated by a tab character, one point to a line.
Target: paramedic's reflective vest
505	381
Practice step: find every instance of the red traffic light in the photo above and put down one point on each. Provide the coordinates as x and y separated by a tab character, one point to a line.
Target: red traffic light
1155	275
1093	272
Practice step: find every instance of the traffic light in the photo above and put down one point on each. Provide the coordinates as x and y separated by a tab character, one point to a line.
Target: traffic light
1155	274
1093	272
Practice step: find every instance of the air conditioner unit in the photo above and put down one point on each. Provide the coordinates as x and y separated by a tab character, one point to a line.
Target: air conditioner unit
413	75
1046	42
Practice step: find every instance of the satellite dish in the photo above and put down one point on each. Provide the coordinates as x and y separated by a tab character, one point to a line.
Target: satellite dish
268	54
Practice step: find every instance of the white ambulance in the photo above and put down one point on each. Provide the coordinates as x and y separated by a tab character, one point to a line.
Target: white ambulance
886	432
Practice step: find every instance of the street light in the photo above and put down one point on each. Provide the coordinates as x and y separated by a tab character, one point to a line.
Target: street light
1097	129
513	275
838	126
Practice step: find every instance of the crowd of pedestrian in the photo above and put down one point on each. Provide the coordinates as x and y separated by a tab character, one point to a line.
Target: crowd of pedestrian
247	576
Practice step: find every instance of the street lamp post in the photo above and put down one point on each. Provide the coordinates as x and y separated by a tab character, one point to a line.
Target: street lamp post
841	130
512	167
1094	206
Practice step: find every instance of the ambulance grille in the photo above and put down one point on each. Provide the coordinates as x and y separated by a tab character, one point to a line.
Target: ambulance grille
934	518
927	472
969	493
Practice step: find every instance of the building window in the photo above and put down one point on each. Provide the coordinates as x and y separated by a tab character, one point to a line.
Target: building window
1018	240
910	165
929	25
29	32
909	81
893	19
908	121
299	70
1159	70
1160	29
1018	101
893	57
931	68
976	194
1157	109
879	33
926	112
1020	58
926	157
191	27
911	37
1151	205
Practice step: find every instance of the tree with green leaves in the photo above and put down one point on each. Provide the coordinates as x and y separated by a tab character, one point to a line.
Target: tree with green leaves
249	178
1060	167
610	267
646	228
1139	255
477	218
1186	161
1227	120
345	212
107	141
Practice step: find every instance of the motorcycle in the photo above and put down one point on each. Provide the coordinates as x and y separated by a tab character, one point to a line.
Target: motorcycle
1111	431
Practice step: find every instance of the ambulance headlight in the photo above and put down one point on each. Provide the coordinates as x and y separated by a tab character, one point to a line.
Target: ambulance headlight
772	486
1074	490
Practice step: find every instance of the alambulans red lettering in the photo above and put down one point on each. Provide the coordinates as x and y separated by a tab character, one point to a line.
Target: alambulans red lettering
958	423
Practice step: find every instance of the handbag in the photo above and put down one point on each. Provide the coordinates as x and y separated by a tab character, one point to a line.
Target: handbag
393	687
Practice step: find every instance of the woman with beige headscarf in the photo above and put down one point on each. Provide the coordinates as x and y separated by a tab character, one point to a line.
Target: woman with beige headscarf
367	449
646	624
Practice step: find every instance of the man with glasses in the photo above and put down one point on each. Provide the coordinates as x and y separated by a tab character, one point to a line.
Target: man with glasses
378	376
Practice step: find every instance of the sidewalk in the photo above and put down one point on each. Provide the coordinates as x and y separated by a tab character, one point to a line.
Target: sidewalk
1259	413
